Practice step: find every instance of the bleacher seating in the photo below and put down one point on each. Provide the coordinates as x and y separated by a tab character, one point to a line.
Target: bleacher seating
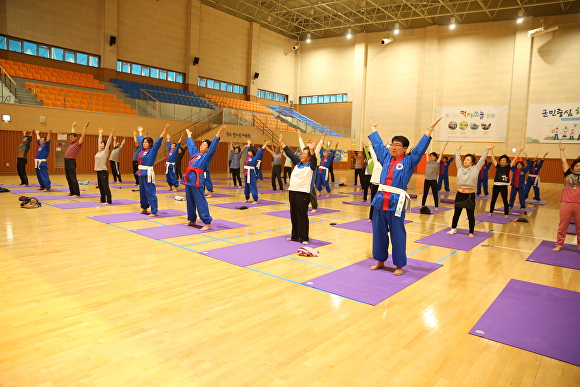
287	112
161	94
262	120
69	98
49	74
238	104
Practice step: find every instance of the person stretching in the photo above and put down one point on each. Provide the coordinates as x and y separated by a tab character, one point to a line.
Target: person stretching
431	177
326	159
147	156
467	174
501	181
250	171
570	200
170	160
534	177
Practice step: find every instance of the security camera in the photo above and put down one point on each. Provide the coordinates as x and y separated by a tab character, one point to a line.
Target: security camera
296	47
387	41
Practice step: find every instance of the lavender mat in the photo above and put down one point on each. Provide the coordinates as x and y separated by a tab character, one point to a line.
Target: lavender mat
568	257
249	204
518	210
268	191
536	318
445	200
332	196
68	206
532	201
24	187
286	213
131	216
359	203
496	217
480	197
240	188
28	190
358	193
217	195
416	210
250	253
66	197
177	230
180	191
459	241
361	225
360	283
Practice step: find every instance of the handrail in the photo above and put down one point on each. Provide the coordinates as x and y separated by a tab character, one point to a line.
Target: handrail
155	106
11	86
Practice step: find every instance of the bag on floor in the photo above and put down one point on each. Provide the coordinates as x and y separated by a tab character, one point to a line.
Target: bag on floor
425	210
29	202
4	189
307	252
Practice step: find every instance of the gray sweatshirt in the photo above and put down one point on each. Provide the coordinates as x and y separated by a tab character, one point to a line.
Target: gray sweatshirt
101	156
431	170
467	177
116	153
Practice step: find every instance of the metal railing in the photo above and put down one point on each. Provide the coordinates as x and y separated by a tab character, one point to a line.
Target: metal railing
10	85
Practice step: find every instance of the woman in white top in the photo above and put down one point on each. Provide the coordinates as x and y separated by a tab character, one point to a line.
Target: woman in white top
299	190
101	168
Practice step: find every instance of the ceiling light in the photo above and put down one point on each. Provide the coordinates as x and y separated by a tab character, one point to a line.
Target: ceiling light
396	31
452	25
349	33
520	16
308	37
6	118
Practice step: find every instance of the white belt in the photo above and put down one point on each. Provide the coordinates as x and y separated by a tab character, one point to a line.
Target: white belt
167	167
500	183
402	195
37	162
150	172
325	172
536	181
249	169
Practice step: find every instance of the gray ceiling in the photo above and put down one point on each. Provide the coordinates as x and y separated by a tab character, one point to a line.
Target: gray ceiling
327	18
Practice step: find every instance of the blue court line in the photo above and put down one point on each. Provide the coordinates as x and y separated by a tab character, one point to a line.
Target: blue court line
298	283
447	256
495	228
416	251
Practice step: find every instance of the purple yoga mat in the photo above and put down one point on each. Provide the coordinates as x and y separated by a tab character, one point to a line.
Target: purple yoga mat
569	256
445	200
28	190
359	203
180	191
459	241
131	216
358	193
68	206
536	318
496	217
249	204
359	282
332	196
250	253
539	202
268	191
480	197
24	187
66	197
286	213
216	195
517	210
416	210
362	225
177	230
240	188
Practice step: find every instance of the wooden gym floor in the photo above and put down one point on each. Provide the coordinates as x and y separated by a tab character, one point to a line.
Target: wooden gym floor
86	303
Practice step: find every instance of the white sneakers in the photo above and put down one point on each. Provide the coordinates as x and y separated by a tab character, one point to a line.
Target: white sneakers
452	231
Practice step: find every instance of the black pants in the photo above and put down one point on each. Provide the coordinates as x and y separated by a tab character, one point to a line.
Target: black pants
277	175
433	185
103	183
313	199
358	172
115	170
470	217
236	176
331	171
287	171
135	169
374	190
299	215
365	182
178	173
503	190
21	168
70	170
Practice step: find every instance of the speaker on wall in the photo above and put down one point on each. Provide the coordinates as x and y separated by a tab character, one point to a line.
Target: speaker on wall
195	61
112	40
256	75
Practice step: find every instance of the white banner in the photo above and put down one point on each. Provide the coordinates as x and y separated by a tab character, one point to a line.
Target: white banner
472	123
553	122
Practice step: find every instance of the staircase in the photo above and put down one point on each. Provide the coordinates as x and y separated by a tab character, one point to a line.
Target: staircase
23	95
142	108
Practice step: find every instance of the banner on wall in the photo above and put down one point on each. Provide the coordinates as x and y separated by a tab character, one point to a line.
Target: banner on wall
553	122
472	123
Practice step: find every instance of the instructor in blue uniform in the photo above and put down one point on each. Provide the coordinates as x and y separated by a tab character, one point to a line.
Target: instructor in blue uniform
389	203
194	178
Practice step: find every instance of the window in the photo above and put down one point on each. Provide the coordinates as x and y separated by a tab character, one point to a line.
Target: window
148	71
178	77
69	57
272	96
145	71
171	76
136	69
45	51
154	73
163	74
82	59
14	45
326	98
220	85
56	53
30	48
201	82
